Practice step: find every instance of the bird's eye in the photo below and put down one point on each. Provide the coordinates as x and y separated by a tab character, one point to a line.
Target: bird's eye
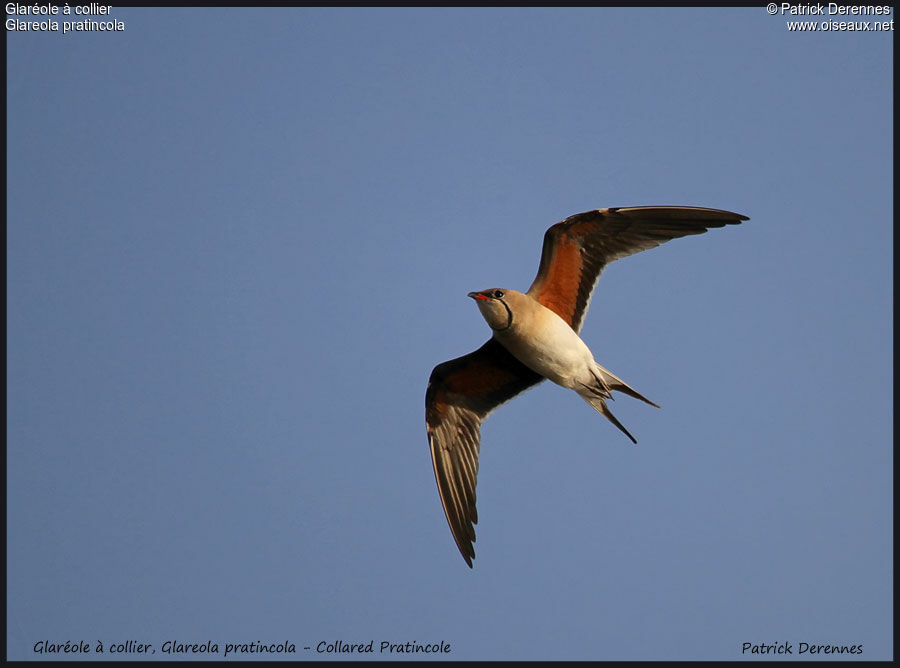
498	294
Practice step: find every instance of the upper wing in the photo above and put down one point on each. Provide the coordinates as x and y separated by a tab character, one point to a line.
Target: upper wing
461	394
577	249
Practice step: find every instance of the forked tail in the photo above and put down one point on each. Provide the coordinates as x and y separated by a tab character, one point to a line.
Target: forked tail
597	394
613	382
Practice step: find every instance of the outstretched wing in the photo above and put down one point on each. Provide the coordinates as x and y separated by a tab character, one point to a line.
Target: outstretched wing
577	249
461	394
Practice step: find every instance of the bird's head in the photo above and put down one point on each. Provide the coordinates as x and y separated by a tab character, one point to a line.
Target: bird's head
496	306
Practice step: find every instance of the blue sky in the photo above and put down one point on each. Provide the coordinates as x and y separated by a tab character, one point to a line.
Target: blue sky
239	240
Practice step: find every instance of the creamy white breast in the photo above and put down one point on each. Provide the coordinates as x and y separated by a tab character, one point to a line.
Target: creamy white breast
545	343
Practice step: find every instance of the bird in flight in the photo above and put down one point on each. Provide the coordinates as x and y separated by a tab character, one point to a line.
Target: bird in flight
535	336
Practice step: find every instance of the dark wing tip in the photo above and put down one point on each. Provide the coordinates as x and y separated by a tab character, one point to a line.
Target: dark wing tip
461	393
454	441
577	249
695	213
